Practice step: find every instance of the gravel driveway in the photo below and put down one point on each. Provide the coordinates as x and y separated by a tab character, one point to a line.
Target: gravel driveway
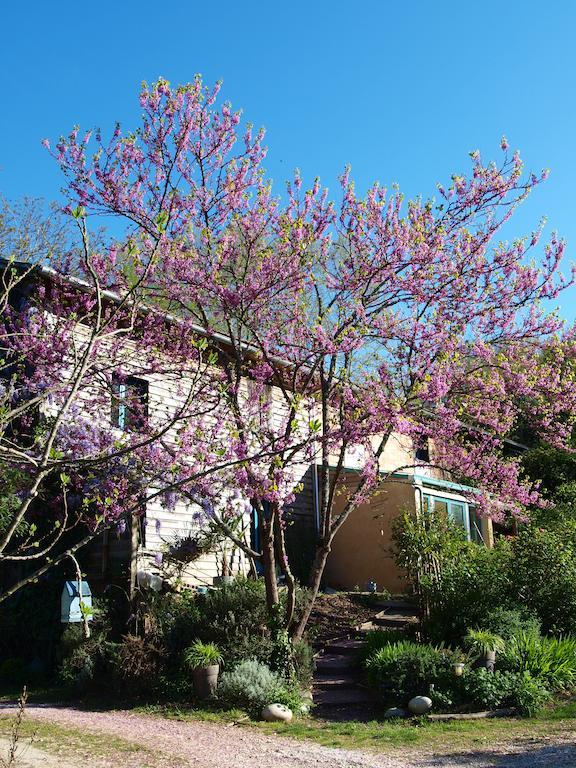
190	744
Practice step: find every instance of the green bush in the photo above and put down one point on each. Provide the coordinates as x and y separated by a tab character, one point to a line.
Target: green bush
507	623
303	656
461	585
488	690
233	617
548	659
530	695
84	662
405	669
542	574
377	639
252	685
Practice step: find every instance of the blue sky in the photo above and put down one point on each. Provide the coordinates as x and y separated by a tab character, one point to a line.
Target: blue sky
401	91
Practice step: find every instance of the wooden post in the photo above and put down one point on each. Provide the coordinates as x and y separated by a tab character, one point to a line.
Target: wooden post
487	531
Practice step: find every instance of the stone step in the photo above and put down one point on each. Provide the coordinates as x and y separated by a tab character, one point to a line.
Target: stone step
335	662
342	697
397	606
343	680
346	646
386	619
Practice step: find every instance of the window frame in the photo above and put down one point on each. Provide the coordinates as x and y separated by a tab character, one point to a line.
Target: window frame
120	408
430	498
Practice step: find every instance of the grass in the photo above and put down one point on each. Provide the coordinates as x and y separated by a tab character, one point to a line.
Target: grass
67	741
420	734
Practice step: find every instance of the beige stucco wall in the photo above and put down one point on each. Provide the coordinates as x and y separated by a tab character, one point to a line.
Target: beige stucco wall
361	550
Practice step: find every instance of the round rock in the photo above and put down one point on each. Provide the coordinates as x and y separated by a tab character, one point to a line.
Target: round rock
419	705
277	713
394	712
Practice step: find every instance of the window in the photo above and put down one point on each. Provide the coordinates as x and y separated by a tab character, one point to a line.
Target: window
129	403
457	511
422	452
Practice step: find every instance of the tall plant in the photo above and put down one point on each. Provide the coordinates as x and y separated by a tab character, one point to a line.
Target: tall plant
335	324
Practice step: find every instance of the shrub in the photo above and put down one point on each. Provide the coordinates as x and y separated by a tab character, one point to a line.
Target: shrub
504	689
457	583
488	690
233	617
84	662
405	669
138	663
377	639
507	623
252	685
530	695
303	656
548	659
543	574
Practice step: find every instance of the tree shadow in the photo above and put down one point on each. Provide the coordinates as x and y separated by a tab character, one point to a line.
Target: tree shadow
531	756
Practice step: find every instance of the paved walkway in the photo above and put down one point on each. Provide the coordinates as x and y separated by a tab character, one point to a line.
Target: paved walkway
191	744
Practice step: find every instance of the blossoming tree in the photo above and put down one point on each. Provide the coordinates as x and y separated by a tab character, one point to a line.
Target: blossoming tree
333	324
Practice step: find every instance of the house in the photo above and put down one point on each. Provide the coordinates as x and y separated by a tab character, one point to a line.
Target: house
167	542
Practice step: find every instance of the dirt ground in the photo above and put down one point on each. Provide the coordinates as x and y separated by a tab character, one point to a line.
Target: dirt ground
133	740
335	615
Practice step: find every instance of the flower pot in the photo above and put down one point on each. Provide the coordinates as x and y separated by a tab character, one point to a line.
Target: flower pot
205	680
490	660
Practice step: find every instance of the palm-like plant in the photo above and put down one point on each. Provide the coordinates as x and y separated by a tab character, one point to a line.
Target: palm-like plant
200	655
482	642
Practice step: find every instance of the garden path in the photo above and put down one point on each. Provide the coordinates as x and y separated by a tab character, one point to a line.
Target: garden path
192	744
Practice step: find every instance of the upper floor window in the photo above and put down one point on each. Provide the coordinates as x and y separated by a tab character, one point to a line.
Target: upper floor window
129	403
422	451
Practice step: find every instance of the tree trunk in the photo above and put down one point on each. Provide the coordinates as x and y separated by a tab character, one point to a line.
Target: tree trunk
318	566
269	563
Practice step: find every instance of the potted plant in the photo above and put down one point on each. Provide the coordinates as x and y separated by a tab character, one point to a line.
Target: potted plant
458	664
204	660
486	645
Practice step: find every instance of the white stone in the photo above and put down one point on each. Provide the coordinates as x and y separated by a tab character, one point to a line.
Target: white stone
394	712
419	705
277	713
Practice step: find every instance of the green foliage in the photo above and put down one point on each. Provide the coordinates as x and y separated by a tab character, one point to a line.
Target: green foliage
509	622
458	584
84	662
233	617
542	574
379	638
481	641
530	695
404	669
252	685
303	658
487	690
201	654
549	659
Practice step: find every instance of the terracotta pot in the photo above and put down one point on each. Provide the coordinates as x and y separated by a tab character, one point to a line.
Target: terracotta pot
205	680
